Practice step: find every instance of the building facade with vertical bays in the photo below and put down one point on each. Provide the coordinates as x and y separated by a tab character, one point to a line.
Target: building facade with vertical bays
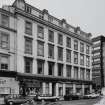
42	54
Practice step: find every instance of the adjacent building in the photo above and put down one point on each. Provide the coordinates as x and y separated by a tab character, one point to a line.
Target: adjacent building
98	70
42	54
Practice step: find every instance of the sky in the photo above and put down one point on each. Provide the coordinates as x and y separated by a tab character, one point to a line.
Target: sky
87	14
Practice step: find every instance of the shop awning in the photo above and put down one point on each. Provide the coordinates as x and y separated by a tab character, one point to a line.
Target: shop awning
7	73
50	78
29	82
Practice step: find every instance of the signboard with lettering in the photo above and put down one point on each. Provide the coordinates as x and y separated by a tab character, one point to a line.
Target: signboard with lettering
4	90
8	86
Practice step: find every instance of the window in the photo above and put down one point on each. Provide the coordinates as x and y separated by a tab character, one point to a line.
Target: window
28	9
81	59
50	19
28	28
40	67
50	68
76	72
4	40
87	61
68	55
75	57
40	32
51	51
60	39
68	42
82	73
88	74
68	71
4	62
28	65
60	70
40	49
81	47
87	49
75	45
47	89
60	53
5	20
51	36
28	46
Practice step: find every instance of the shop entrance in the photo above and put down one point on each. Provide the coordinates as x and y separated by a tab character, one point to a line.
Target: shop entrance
69	90
53	89
30	87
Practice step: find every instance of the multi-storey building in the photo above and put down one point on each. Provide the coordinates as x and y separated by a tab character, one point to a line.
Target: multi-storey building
98	61
43	54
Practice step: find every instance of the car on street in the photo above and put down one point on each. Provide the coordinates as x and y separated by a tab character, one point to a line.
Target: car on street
72	97
10	100
91	96
46	98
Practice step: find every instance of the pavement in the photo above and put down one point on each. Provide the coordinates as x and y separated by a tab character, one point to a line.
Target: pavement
80	102
75	102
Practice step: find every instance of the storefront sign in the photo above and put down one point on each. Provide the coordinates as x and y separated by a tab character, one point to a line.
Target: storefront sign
8	86
4	90
31	83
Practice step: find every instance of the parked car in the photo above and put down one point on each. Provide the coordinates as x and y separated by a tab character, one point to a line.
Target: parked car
9	100
92	95
46	98
72	97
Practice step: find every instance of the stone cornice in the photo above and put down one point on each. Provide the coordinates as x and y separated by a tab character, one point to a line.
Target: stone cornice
6	12
42	21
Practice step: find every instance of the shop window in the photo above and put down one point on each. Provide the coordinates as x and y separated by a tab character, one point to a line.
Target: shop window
4	40
40	50
47	89
51	36
50	51
28	65
60	70
4	20
50	68
60	53
40	32
28	46
40	67
60	90
60	39
28	27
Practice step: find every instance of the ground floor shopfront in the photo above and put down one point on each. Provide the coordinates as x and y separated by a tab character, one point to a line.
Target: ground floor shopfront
53	86
26	84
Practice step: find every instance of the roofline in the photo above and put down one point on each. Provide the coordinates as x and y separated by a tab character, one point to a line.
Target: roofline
7	12
35	18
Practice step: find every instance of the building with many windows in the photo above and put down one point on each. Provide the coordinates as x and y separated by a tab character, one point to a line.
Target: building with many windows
42	54
98	61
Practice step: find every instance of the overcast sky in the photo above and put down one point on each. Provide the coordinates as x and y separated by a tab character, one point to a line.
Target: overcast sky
88	14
